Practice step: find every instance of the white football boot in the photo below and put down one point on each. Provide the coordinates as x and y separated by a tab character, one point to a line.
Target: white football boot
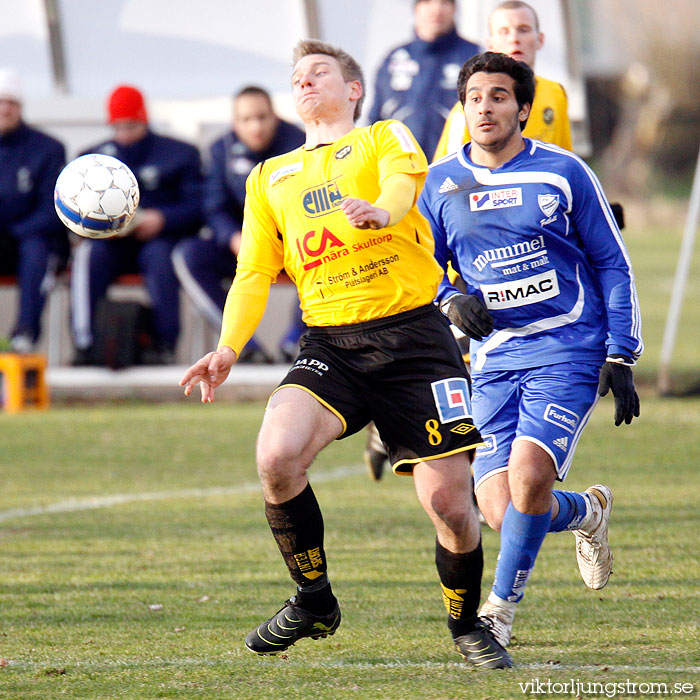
498	615
592	548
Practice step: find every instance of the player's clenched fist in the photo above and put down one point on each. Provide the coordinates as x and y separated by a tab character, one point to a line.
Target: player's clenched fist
361	214
210	371
469	314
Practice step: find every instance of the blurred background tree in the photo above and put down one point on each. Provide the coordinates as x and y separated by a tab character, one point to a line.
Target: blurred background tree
641	59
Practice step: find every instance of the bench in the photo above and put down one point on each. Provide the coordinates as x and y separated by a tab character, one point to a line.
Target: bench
196	336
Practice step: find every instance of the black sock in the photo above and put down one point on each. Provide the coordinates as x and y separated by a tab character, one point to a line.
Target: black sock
297	526
460	576
317	597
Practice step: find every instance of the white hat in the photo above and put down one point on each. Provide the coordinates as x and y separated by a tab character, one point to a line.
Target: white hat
10	86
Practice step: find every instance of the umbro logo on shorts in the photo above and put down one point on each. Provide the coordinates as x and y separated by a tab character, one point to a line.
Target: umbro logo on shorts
462	428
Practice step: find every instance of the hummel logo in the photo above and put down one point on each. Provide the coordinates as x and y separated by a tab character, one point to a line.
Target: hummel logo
448	185
562	443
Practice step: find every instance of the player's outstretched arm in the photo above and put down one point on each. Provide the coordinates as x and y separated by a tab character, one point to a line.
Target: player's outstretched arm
616	374
209	372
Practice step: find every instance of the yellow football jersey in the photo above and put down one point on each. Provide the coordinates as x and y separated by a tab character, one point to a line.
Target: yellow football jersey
293	220
549	120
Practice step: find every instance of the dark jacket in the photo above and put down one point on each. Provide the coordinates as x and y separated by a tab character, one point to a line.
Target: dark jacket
169	173
417	84
224	185
30	162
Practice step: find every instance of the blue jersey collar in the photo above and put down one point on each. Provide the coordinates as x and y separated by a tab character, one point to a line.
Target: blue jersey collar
465	157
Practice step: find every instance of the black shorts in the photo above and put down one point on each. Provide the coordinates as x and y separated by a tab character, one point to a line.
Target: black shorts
403	372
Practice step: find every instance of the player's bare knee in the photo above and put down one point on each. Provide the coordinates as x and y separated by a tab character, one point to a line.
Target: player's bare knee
493	497
451	510
532	496
494	520
493	512
278	468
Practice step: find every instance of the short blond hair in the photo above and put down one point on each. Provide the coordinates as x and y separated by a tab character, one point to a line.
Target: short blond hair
349	67
516	5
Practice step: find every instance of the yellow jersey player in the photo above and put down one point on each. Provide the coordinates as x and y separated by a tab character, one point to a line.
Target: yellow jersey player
339	215
345	275
514	29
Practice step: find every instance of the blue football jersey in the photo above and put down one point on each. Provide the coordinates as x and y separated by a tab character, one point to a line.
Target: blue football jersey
537	241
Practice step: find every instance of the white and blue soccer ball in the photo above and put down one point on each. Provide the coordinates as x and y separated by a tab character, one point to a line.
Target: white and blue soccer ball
96	196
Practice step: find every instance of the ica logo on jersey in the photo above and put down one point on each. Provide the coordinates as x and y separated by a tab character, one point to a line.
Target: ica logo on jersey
316	248
322	199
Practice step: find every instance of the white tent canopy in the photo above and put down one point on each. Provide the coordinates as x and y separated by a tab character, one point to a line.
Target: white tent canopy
189	57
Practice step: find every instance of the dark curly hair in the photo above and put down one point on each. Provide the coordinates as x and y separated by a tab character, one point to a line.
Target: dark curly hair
491	62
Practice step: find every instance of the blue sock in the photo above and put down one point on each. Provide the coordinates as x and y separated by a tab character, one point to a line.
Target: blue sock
521	538
572	510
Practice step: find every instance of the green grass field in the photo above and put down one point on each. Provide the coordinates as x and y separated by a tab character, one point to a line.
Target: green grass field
654	252
134	557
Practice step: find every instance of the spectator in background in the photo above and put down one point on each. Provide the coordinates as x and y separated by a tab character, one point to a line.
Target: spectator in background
514	29
202	264
33	242
169	175
416	83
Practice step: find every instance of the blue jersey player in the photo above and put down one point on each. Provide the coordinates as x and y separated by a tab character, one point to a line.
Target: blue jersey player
550	300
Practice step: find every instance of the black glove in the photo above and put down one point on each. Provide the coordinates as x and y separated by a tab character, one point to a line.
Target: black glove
470	315
619	214
616	374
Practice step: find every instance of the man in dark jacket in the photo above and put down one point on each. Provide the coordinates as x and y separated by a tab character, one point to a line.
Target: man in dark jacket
417	81
170	180
33	242
202	263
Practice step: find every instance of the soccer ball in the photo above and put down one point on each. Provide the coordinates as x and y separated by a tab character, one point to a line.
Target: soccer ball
96	196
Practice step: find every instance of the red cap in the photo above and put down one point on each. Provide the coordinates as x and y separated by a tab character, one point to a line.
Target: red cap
126	102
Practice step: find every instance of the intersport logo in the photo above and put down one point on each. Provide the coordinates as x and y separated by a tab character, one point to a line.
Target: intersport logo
496	199
522	292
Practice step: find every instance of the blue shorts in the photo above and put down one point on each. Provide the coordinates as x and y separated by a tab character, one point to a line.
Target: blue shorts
548	405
